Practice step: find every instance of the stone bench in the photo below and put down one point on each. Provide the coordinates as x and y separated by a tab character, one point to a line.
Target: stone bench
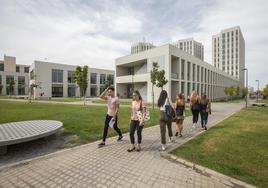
23	131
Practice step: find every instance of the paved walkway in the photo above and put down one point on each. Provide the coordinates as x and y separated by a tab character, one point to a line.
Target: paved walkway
113	166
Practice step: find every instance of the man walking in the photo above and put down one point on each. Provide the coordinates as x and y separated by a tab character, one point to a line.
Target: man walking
111	116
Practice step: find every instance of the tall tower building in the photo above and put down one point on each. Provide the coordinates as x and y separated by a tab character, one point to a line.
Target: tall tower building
191	46
140	47
228	52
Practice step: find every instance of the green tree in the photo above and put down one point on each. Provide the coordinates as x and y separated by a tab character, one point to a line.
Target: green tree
109	81
81	79
232	91
237	91
161	80
265	91
33	86
154	73
10	87
227	91
244	92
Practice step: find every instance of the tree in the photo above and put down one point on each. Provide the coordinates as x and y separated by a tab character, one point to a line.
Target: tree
161	80
81	79
109	81
154	73
232	90
33	86
10	87
265	91
226	91
237	91
244	92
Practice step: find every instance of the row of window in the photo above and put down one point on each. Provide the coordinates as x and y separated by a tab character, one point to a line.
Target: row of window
2	68
57	77
57	91
21	79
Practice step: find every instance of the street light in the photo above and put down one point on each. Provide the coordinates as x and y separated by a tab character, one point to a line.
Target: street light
245	69
258	90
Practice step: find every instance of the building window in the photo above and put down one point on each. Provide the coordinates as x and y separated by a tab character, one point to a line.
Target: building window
57	75
2	67
198	69
102	79
26	69
193	72
57	91
17	68
182	87
32	75
8	89
110	78
202	69
71	76
188	89
93	78
21	80
102	89
71	91
21	85
93	91
182	69
188	70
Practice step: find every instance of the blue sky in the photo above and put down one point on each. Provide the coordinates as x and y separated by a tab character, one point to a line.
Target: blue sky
96	32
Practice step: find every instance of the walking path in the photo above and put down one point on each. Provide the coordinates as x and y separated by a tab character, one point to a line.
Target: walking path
113	166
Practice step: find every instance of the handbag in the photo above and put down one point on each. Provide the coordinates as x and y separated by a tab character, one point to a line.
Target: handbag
139	114
170	111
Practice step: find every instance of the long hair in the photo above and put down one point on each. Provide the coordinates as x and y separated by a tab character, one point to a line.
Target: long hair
181	97
138	93
162	98
204	99
194	96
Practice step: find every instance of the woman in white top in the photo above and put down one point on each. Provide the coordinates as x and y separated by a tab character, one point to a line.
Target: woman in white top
166	107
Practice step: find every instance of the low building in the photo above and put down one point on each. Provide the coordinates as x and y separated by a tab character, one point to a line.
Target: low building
183	71
10	71
58	80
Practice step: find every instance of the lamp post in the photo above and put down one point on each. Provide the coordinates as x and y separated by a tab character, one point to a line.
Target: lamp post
258	90
245	69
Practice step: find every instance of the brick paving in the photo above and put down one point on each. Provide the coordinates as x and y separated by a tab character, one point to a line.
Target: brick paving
113	166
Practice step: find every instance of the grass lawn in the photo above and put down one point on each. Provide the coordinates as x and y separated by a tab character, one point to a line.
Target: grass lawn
84	121
237	147
262	100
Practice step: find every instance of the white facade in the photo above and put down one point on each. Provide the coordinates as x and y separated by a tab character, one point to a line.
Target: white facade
57	80
9	70
191	46
228	52
140	47
184	73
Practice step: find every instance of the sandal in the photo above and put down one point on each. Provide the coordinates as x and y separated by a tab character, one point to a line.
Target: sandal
130	150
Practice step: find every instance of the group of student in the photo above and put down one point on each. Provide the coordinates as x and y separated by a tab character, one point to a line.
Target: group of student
169	112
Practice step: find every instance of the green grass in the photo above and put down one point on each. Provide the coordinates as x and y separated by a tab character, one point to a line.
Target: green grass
262	100
84	121
105	102
237	147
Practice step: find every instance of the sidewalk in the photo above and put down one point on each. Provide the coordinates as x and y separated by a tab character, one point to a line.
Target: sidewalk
113	166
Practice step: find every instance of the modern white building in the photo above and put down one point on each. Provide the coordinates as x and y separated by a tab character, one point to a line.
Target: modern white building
183	71
191	46
140	47
57	80
228	52
10	71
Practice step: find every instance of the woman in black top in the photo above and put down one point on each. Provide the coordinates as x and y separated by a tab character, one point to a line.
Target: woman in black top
180	107
205	108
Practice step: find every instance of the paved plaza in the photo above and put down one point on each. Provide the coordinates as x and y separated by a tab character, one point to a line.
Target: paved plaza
113	166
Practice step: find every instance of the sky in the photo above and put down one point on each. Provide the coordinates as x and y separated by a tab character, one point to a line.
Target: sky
96	32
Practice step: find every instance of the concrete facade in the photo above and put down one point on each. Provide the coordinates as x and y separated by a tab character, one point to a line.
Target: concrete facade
228	52
57	80
9	70
184	73
191	46
140	47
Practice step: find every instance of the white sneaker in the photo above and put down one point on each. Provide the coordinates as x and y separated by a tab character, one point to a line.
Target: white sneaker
171	139
194	125
163	148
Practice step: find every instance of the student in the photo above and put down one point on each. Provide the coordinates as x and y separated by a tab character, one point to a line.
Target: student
111	116
135	124
165	119
195	107
205	108
180	108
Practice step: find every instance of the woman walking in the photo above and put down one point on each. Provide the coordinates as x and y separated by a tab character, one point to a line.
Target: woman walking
205	108
166	107
195	107
135	124
180	107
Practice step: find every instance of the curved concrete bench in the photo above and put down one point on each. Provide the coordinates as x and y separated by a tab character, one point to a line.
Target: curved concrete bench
23	131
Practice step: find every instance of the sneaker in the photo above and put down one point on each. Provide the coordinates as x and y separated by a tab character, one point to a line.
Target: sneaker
180	135
101	144
176	134
206	127
119	138
163	148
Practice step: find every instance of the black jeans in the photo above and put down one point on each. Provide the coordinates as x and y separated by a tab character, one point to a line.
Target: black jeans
204	118
195	115
106	127
135	124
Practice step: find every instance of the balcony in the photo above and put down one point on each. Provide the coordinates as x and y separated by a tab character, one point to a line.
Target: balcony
133	78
